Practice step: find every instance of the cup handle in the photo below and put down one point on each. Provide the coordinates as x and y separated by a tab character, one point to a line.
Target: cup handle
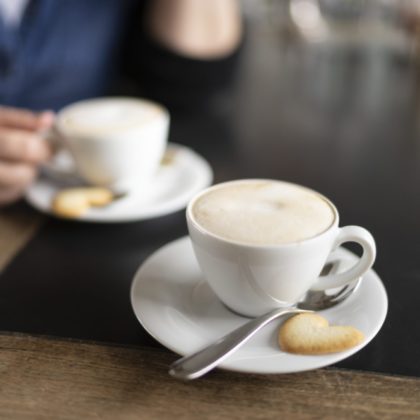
358	235
53	138
64	172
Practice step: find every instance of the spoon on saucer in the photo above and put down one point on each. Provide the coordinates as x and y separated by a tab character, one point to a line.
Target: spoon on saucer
204	360
65	179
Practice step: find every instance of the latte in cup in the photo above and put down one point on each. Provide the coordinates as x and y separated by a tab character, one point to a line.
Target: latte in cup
260	212
261	244
104	116
115	142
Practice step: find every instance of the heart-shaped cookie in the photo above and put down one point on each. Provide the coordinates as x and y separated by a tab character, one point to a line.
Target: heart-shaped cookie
74	202
312	334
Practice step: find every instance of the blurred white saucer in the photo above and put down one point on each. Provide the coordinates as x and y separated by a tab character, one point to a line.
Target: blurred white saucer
182	174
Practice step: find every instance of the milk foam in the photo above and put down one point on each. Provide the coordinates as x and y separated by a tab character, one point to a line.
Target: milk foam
105	115
263	212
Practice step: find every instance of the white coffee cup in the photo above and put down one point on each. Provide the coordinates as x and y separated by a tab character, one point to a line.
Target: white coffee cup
116	142
238	254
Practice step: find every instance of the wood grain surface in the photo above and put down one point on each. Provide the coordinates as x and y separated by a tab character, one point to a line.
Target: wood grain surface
49	378
18	224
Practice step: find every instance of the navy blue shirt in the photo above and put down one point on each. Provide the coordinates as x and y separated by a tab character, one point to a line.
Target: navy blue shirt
63	51
68	50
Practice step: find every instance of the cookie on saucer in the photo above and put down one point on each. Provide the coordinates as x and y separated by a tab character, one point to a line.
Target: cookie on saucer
310	333
74	202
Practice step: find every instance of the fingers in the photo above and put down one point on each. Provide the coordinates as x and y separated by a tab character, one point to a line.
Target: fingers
21	149
24	119
23	146
16	175
10	194
46	119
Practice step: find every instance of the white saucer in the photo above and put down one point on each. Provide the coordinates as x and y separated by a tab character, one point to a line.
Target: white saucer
176	182
175	305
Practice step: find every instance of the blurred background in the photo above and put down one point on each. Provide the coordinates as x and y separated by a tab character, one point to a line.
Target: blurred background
322	74
347	58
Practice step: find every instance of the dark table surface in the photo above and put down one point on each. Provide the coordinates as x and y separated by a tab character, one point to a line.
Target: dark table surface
344	122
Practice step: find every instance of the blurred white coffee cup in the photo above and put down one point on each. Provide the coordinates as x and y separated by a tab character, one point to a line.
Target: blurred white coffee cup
116	142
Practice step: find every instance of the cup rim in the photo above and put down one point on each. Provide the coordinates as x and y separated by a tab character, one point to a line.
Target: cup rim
205	232
163	113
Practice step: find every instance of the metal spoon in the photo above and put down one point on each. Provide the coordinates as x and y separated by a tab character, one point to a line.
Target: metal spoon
204	360
65	179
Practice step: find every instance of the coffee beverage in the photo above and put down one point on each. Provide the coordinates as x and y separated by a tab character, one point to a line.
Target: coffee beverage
261	244
115	142
263	212
91	118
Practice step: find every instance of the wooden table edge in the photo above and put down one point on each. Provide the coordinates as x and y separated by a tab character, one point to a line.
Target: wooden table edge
87	379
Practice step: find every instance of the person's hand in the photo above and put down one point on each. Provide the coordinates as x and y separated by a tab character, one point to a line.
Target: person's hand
22	149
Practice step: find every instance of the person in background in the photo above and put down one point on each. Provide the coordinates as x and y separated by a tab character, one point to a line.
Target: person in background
54	52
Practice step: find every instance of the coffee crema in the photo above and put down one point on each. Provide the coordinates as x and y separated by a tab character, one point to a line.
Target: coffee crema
260	212
107	115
